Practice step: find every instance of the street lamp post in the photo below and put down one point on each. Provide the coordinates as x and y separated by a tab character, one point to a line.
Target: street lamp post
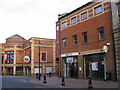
39	60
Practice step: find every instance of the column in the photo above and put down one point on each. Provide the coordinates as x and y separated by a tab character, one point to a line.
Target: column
80	66
14	70
32	58
15	56
44	69
54	58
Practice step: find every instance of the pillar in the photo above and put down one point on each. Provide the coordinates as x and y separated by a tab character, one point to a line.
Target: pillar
32	58
54	58
14	70
15	56
81	67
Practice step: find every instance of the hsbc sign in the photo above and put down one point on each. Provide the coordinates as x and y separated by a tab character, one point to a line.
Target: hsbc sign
70	54
70	60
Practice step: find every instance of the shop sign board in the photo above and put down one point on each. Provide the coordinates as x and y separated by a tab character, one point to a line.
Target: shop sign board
70	60
69	54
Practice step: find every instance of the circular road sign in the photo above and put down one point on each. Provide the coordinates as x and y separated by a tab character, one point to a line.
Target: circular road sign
105	48
26	59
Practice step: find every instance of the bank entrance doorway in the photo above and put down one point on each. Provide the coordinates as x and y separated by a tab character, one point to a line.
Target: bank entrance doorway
95	65
71	67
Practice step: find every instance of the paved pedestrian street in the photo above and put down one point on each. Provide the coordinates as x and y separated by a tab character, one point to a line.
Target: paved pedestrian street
53	82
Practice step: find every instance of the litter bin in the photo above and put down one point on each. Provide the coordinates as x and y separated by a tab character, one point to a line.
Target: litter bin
108	75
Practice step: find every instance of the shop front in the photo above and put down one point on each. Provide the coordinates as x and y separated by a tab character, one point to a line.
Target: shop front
70	65
19	70
36	69
95	65
8	70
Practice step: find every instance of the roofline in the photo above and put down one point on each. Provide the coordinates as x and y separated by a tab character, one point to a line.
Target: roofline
83	6
41	38
15	38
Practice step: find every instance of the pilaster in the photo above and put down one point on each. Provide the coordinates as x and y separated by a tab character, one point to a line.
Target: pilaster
15	56
32	57
54	58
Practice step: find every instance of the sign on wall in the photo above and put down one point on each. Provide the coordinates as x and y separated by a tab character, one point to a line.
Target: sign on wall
70	54
94	66
70	60
9	57
26	59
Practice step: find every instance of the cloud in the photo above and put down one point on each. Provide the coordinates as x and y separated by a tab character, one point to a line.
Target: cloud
31	18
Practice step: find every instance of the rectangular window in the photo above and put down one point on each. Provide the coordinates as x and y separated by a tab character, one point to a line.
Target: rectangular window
43	56
84	15
119	12
84	37
73	20
101	33
98	9
75	39
64	24
9	57
64	43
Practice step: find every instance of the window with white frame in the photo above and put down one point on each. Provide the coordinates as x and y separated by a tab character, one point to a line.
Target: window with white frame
84	15
64	24
98	9
44	55
73	20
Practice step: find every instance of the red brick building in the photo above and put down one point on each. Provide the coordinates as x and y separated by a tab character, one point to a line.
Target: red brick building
82	35
16	48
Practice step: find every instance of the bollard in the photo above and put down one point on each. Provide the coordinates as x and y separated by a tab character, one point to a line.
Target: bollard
63	81
39	76
90	82
44	81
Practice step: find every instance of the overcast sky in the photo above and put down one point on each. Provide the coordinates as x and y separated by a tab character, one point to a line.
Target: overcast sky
33	18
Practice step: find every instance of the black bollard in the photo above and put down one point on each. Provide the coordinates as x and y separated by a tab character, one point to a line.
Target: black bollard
44	81
63	81
90	82
39	76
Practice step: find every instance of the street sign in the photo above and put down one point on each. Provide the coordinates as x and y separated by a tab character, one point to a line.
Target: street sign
26	59
70	60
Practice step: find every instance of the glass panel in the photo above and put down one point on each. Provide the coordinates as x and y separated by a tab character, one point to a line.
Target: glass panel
84	15
64	24
64	43
9	57
85	37
44	56
101	33
98	9
73	20
75	39
96	63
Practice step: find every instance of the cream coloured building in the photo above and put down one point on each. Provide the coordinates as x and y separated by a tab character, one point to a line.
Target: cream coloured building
16	48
